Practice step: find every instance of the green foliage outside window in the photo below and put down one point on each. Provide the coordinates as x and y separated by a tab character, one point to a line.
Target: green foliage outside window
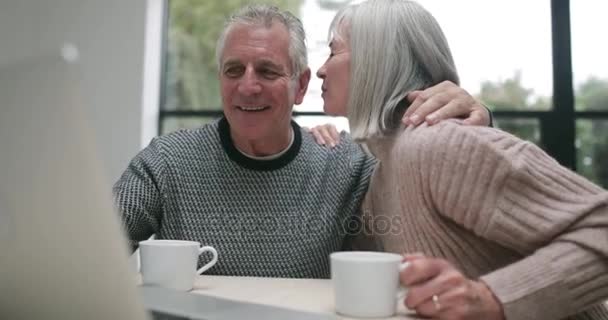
591	136
511	95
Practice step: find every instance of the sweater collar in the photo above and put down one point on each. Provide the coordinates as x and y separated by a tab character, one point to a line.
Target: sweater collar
258	165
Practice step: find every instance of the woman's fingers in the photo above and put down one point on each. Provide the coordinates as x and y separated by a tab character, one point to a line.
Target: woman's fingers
441	305
421	270
326	134
479	117
411	97
445	100
448	279
409	257
318	135
333	131
438	290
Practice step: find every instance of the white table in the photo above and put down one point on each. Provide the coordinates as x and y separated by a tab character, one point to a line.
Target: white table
310	295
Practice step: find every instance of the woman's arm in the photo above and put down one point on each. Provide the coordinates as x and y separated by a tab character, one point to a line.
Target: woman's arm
511	192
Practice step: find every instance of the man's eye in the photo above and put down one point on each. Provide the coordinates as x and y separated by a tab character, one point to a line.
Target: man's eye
233	71
270	74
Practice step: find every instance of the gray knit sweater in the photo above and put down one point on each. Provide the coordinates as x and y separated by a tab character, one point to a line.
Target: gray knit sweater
274	218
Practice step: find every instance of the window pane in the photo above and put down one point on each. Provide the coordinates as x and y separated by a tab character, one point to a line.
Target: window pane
341	123
194	26
527	129
486	44
491	64
170	124
506	64
316	17
589	64
592	150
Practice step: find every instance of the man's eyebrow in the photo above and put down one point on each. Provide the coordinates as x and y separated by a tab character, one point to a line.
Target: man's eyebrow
269	64
231	62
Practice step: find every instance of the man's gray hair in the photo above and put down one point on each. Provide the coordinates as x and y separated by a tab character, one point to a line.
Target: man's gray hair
396	47
265	15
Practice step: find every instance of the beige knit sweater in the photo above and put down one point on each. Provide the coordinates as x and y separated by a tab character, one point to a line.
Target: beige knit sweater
499	209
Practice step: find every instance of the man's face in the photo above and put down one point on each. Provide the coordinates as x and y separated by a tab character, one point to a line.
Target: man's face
258	90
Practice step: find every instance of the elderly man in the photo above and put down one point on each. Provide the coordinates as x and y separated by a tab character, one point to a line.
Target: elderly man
253	184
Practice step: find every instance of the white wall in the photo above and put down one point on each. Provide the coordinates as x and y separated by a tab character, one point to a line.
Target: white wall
111	37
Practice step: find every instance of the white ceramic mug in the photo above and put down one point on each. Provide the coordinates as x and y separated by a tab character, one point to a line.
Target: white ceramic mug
366	284
172	263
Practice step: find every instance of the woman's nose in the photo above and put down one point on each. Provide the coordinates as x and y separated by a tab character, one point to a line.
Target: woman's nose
321	72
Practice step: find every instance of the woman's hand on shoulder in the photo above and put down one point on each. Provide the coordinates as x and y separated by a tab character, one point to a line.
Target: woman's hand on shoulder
445	100
325	134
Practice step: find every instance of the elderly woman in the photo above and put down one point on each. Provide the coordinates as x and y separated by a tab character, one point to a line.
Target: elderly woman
494	227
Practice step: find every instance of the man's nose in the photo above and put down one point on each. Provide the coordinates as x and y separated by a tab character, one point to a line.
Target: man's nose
249	83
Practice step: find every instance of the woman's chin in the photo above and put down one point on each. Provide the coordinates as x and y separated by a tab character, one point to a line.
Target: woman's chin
333	112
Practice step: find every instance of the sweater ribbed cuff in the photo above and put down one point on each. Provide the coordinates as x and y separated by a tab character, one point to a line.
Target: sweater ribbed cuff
531	289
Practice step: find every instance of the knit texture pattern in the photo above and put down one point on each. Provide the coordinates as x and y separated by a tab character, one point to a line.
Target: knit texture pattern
500	210
264	220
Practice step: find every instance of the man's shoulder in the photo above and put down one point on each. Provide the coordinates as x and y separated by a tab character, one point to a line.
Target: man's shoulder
347	159
187	138
345	148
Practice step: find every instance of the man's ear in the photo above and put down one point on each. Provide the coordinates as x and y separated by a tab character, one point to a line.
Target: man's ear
302	83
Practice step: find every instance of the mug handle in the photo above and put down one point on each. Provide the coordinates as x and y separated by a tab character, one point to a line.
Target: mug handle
210	263
402	292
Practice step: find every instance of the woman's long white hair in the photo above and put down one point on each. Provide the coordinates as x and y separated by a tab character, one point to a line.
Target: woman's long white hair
396	47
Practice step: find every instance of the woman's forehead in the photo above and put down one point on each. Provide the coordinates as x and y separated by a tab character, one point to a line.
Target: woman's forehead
340	32
338	42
